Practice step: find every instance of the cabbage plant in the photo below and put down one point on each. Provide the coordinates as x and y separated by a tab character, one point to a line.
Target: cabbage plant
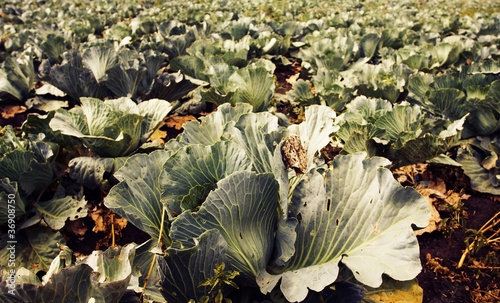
399	132
479	160
473	91
238	187
112	129
17	78
27	176
25	170
101	277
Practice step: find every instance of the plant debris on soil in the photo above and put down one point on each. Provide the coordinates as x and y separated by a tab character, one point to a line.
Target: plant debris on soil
460	211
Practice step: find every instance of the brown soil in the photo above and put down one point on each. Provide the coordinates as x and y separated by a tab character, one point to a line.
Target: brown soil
440	279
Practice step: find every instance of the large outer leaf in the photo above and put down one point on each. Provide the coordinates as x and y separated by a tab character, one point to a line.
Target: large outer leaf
111	128
36	124
369	45
15	163
69	285
314	134
26	161
103	277
99	59
17	77
90	171
253	85
258	134
285	232
358	138
301	92
331	89
480	163
363	110
75	80
36	247
144	257
93	123
152	62
403	119
200	166
9	141
244	209
123	80
331	54
316	130
154	110
8	89
219	92
137	197
447	101
385	80
11	201
59	209
112	272
430	146
189	65
359	215
182	270
443	53
53	46
212	127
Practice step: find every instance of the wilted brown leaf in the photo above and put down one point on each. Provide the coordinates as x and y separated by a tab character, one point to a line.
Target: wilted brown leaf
9	111
177	122
435	265
158	136
435	218
406	174
103	221
294	154
431	184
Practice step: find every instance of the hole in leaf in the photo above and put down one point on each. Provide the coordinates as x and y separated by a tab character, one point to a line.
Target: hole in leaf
337	221
40	274
299	217
328	202
241	236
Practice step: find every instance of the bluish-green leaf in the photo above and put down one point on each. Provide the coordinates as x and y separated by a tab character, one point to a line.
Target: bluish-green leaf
254	85
182	270
358	215
316	131
258	134
244	209
91	171
137	197
59	209
111	128
212	127
199	165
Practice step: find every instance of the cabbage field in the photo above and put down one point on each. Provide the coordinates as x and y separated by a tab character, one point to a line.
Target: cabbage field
249	151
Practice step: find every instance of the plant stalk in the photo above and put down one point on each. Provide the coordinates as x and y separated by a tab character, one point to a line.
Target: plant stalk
483	229
154	256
